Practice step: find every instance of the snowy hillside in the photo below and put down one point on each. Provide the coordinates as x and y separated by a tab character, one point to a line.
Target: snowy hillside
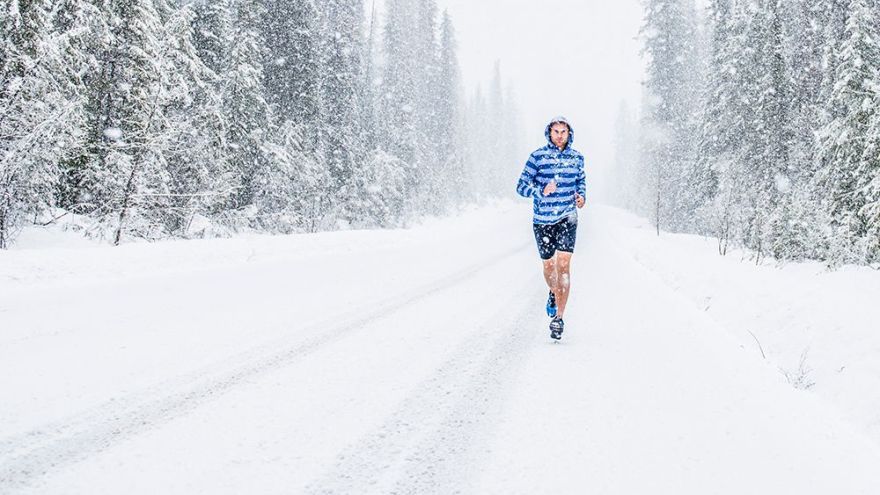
418	361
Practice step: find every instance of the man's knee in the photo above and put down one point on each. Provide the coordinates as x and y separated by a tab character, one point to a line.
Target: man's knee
564	263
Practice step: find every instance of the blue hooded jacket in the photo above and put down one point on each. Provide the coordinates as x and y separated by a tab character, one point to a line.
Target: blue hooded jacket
565	166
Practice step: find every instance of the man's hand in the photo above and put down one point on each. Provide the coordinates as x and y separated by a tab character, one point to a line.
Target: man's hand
550	188
578	200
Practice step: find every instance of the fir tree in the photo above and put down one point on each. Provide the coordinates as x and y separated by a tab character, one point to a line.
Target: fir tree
212	24
670	44
196	130
342	90
449	115
292	63
34	130
398	118
722	121
849	141
246	109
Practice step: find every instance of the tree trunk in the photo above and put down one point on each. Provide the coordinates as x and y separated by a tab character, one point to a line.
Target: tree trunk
125	204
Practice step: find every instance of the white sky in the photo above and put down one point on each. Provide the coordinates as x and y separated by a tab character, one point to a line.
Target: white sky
578	58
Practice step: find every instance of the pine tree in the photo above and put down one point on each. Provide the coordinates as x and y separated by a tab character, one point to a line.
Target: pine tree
212	24
768	132
479	174
430	157
400	136
383	179
721	121
849	141
670	43
292	63
342	90
34	130
133	179
246	109
494	141
370	97
449	115
196	130
82	31
284	199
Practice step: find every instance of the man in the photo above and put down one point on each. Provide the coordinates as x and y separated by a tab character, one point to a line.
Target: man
554	178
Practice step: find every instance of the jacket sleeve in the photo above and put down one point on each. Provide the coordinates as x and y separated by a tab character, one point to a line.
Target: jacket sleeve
526	186
581	183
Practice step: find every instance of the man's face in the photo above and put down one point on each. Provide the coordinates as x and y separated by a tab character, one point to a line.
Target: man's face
559	134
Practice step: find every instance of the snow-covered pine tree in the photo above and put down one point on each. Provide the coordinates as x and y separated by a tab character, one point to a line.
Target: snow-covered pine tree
246	109
287	187
478	172
128	177
292	63
722	122
804	50
496	127
848	140
370	103
212	24
196	129
342	84
81	36
510	153
383	179
768	132
398	118
450	121
431	158
800	235
294	75
871	210
38	120
669	32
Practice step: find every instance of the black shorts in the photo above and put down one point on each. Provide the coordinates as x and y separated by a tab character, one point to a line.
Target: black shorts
559	236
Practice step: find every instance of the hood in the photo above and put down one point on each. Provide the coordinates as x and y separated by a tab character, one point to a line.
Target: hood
557	120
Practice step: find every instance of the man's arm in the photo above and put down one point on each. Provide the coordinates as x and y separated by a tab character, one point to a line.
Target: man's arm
581	184
526	185
581	178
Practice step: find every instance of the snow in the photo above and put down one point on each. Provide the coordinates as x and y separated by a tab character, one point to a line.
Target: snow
113	133
418	361
799	309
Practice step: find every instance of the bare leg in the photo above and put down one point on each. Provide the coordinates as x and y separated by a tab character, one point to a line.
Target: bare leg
563	276
550	274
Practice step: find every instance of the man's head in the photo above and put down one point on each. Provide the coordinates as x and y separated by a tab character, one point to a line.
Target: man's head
559	132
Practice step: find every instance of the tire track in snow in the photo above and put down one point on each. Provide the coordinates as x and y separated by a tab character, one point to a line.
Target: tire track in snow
431	442
26	458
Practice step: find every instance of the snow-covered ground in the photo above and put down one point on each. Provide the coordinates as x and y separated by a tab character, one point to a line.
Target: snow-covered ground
418	361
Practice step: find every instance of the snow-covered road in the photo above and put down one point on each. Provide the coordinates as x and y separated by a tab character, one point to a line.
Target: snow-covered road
412	361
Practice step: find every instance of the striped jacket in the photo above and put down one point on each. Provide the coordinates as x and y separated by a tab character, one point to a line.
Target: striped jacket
549	163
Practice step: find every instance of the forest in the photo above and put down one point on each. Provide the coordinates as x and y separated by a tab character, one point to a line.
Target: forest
759	126
156	119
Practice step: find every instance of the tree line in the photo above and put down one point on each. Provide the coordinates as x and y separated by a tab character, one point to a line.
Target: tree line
760	126
154	119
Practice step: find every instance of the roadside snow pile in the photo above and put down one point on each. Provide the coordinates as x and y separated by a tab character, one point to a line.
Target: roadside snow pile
819	327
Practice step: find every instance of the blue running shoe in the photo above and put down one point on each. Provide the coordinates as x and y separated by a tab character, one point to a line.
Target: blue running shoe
551	305
556	327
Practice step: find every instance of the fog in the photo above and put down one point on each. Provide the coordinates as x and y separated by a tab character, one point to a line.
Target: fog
577	58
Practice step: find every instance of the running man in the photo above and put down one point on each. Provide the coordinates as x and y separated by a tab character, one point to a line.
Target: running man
554	178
